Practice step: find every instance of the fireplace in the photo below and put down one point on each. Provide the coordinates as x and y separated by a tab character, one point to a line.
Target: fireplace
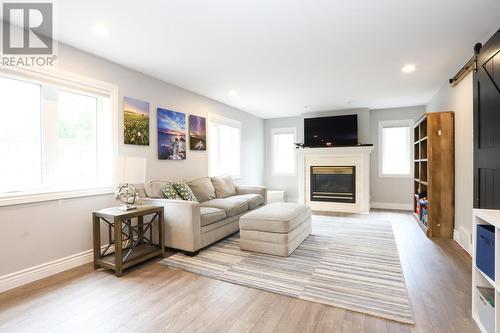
333	184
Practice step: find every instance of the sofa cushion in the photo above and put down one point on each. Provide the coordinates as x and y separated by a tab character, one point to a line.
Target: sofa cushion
253	200
231	205
276	217
224	186
169	192
184	191
153	188
202	189
209	215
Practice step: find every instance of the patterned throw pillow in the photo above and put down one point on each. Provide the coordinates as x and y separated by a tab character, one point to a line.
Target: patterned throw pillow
184	191
169	192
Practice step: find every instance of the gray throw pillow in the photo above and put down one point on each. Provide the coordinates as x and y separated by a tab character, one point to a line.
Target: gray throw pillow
224	186
202	189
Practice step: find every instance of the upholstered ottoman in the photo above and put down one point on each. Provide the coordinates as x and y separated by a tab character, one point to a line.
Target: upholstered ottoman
278	228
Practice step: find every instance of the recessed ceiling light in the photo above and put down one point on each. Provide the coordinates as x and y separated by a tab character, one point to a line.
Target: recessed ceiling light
101	30
307	106
233	92
408	68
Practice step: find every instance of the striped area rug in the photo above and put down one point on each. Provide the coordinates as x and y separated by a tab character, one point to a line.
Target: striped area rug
346	262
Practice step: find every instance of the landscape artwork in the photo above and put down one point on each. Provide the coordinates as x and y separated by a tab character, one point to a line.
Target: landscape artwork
171	135
197	133
136	122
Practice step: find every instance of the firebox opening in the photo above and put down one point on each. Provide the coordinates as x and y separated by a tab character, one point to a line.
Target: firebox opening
333	183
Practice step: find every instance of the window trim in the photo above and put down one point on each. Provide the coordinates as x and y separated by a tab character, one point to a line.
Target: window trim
225	121
395	123
71	82
283	130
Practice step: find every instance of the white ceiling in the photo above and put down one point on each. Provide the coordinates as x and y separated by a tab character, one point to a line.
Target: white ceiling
281	55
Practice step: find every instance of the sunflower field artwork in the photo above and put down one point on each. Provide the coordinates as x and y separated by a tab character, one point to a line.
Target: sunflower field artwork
136	122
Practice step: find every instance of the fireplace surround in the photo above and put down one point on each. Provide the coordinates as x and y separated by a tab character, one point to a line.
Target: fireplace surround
357	157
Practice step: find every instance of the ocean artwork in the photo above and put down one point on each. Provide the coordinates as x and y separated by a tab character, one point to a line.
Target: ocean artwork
171	135
135	122
197	133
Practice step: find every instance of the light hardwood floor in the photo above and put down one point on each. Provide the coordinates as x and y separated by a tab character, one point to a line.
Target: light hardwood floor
152	297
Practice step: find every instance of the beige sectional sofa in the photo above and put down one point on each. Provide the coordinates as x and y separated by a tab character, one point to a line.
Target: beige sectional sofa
190	225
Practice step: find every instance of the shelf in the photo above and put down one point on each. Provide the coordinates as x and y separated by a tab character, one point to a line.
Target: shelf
431	154
141	252
486	277
419	141
489	215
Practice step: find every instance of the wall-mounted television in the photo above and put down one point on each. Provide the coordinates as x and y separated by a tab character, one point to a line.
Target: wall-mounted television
331	131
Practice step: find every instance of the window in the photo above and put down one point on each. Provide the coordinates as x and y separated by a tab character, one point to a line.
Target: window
283	151
20	139
56	136
224	146
77	137
395	141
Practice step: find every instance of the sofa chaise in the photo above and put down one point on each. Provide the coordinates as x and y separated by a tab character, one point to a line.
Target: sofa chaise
193	225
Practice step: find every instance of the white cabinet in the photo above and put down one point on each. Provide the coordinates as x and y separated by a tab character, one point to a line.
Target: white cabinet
486	316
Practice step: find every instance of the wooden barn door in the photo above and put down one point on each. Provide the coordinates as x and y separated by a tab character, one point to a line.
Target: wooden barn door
487	126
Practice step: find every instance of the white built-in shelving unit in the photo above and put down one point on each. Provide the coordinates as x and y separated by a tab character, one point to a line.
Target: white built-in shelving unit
479	279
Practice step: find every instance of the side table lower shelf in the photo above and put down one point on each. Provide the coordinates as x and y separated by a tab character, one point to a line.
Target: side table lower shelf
139	254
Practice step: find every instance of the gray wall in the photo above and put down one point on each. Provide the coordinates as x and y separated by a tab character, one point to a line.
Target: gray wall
460	100
290	183
390	192
401	189
46	231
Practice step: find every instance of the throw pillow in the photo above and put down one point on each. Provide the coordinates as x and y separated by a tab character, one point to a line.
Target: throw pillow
224	186
169	192
153	188
202	189
184	191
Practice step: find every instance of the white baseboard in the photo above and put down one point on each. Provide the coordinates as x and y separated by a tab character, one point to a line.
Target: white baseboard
391	205
467	246
35	273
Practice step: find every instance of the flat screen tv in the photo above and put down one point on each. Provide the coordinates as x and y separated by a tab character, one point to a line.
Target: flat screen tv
331	131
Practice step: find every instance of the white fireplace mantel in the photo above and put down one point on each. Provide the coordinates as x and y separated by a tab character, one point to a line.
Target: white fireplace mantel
338	156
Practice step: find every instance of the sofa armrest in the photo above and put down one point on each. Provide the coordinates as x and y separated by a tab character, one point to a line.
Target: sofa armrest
182	223
245	189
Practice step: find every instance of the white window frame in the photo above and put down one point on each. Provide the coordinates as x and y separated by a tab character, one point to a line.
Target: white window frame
74	83
224	121
395	123
283	130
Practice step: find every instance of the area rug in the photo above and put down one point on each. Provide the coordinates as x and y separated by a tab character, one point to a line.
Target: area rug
346	262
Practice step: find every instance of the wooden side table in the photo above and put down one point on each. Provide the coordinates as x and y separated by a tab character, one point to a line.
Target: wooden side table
133	242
